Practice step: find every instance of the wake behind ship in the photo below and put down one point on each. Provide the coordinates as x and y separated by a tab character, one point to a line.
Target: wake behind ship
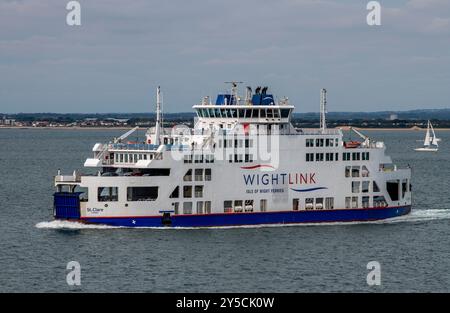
243	163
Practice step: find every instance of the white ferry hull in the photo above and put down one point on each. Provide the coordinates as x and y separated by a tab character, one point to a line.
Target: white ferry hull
257	218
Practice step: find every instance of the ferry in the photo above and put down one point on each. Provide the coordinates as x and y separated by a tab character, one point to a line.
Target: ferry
242	163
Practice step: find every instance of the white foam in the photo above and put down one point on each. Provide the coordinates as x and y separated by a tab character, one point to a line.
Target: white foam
414	216
58	224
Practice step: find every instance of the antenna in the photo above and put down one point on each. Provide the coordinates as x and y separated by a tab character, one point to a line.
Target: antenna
234	85
323	109
158	117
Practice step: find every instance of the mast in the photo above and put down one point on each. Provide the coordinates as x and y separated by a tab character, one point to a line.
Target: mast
158	117
323	109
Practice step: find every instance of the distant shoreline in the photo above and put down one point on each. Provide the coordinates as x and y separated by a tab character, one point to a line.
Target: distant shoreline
345	128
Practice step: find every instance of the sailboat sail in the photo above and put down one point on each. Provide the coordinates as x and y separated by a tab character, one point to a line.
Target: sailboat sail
427	136
434	140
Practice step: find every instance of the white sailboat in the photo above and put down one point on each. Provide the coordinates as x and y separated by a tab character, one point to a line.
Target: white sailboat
431	142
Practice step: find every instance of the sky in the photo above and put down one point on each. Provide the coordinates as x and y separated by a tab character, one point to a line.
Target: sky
123	50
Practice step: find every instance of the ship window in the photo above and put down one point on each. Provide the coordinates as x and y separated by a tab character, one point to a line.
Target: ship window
365	202
223	113
255	113
248	206
263	205
238	206
188	176
187	207
347	202
121	158
269	113
379	201
142	193
285	113
199	207
249	158
346	156
337	156
329	156
355	171
241	112
198	191
328	142
364	171
309	157
126	157
175	193
156	172
355	186
227	206
248	113
198	158
348	170
187	191
319	157
309	203
392	189
188	158
354	202
365	186
329	203
319	204
199	113
207	174
295	204
198	174
262	113
375	187
207	207
107	194
309	142
404	187
209	158
356	156
319	142
365	156
276	113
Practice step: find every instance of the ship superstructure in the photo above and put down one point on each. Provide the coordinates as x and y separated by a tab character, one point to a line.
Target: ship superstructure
243	163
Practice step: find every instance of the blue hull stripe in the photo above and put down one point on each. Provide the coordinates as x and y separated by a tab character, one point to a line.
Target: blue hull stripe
235	219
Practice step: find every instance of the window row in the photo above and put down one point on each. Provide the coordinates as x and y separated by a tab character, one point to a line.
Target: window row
201	207
320	157
200	174
198	158
236	143
356	171
322	142
364	187
131	157
355	156
243	113
106	194
314	203
353	202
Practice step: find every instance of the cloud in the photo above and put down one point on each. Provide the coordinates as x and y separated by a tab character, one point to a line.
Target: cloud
123	49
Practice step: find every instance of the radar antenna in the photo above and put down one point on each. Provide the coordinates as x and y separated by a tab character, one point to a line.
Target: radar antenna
234	91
